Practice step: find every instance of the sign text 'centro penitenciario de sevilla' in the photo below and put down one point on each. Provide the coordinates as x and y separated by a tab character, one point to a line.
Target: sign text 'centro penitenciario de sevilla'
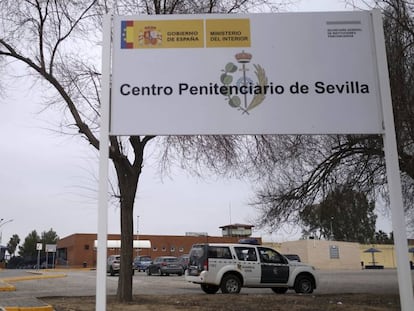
282	73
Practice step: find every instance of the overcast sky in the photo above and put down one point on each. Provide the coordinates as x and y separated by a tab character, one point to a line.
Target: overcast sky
47	179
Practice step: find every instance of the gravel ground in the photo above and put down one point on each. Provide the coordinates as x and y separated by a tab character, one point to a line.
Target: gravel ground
245	302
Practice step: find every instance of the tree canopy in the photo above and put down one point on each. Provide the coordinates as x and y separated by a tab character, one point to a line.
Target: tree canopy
12	244
28	248
344	215
49	237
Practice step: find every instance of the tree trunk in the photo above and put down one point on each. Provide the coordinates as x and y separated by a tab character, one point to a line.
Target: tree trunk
124	293
128	182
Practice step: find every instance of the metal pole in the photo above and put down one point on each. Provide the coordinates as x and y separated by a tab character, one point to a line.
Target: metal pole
38	260
100	304
393	171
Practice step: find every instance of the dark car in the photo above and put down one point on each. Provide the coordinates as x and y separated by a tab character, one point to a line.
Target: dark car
165	265
183	260
141	263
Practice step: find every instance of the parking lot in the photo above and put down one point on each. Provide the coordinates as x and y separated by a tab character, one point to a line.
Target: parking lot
82	283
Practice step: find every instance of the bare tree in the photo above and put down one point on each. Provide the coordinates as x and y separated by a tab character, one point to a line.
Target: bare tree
56	40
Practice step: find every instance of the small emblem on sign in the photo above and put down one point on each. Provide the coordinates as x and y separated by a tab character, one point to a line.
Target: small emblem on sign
244	84
150	36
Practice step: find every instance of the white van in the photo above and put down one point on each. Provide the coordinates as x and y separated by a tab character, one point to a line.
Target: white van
230	267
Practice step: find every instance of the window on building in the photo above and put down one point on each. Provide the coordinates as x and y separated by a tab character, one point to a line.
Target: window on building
163	249
154	248
181	249
333	252
86	247
172	249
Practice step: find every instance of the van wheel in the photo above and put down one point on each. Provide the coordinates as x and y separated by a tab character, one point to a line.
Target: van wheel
148	272
280	290
303	285
209	289
230	284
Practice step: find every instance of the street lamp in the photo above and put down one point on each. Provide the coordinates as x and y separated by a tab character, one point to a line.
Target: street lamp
2	223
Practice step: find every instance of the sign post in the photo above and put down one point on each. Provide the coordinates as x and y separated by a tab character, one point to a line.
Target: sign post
100	303
39	247
393	172
245	74
50	248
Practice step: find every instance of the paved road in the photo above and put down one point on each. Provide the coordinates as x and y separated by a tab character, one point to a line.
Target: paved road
82	283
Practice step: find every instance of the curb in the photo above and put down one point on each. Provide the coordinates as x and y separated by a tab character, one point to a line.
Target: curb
35	276
5	287
25	304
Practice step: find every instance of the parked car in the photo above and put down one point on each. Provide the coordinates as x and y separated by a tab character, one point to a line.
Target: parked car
141	263
165	265
183	260
113	264
292	257
230	267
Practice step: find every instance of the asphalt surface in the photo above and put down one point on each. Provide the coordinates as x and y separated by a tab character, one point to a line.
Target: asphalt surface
10	299
29	286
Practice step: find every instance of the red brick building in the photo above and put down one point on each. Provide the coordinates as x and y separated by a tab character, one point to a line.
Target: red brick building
78	249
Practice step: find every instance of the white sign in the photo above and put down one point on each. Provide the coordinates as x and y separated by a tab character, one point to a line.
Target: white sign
285	73
50	248
117	244
39	246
